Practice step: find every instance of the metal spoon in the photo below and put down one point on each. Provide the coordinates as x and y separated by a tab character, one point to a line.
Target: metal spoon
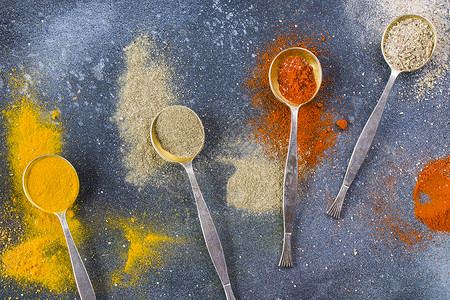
291	170
208	229
81	276
368	133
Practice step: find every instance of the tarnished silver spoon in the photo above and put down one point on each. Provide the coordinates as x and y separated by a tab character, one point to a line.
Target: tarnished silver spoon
368	133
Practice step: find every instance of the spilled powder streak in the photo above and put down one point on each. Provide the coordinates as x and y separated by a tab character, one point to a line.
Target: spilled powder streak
145	90
147	250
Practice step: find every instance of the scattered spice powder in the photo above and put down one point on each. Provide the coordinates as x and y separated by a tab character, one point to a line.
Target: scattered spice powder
145	90
390	219
409	44
30	134
41	260
256	186
342	124
147	250
180	131
392	211
380	13
296	80
433	184
270	125
39	257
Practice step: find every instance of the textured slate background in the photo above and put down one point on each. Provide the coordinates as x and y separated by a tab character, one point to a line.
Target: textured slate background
212	45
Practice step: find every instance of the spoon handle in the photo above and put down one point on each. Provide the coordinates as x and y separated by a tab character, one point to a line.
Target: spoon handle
210	233
362	146
81	276
290	191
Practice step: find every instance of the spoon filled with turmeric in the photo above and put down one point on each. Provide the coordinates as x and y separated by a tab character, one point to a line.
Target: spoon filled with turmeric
177	134
50	183
295	76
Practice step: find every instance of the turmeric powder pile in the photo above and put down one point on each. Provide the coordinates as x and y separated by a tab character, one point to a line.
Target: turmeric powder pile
52	183
40	254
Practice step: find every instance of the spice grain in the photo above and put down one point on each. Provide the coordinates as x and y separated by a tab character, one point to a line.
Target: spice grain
342	124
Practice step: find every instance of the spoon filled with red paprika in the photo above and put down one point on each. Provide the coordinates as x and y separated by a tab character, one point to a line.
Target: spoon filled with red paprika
295	76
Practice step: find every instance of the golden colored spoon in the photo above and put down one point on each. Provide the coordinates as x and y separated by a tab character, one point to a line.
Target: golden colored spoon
51	184
368	133
208	229
291	170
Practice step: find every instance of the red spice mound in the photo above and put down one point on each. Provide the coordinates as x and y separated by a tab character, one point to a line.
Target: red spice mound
271	124
434	182
342	124
296	80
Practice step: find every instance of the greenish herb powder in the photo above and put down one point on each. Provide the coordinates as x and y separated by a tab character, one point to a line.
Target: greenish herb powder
179	131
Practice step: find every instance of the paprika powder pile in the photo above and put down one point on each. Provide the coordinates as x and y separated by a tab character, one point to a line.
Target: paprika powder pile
432	195
296	80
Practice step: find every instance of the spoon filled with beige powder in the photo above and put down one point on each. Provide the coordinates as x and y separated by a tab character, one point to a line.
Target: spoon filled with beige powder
407	45
177	134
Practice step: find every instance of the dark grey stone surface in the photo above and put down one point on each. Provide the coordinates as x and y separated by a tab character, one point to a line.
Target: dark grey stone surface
80	45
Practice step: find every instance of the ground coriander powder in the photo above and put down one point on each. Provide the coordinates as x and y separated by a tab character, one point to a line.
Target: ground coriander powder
145	88
179	131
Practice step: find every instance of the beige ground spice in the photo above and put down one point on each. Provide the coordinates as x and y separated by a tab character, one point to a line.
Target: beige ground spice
257	184
409	44
180	131
145	90
376	15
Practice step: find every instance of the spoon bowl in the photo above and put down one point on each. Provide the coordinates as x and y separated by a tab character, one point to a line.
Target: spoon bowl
307	55
395	22
35	199
166	155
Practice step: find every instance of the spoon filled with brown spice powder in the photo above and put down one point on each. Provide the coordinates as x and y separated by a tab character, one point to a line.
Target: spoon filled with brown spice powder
407	45
295	76
177	134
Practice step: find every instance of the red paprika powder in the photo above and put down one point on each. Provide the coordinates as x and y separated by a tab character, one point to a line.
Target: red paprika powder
296	80
270	125
432	195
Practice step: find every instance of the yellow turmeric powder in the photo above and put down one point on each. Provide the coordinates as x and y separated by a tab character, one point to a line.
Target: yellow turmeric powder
39	257
51	183
31	133
146	250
